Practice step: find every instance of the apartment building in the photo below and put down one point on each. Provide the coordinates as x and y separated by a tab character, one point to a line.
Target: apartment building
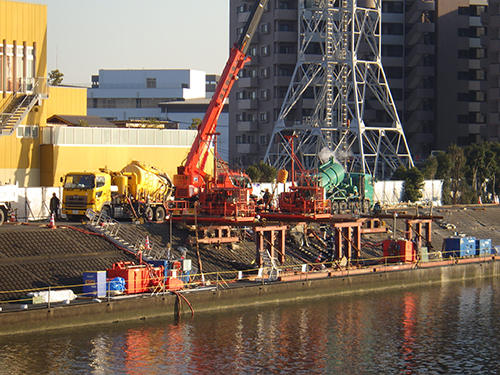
431	54
257	96
489	74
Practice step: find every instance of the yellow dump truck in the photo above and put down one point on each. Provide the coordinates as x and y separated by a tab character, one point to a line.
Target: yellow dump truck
135	191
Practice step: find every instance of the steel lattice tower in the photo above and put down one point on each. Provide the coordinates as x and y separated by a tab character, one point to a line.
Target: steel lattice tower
337	78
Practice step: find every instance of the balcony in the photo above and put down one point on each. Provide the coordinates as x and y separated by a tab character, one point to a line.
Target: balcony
418	30
285	58
248	82
286	36
246	148
416	75
248	104
254	60
282	80
417	52
419	7
242	17
248	126
286	14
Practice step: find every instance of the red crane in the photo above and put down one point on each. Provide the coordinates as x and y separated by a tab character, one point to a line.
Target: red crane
191	179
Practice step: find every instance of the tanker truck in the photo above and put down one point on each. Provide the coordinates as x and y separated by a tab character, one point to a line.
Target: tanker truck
135	191
346	190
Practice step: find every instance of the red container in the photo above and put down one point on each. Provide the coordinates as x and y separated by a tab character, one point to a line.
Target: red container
136	277
399	251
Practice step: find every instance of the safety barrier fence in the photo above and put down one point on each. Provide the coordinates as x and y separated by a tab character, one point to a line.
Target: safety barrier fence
224	279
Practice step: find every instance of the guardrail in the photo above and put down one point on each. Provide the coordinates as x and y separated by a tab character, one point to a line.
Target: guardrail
224	279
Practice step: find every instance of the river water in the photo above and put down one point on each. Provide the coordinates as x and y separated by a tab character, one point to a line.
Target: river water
442	329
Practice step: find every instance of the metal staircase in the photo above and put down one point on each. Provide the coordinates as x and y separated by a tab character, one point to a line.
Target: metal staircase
268	266
20	103
124	236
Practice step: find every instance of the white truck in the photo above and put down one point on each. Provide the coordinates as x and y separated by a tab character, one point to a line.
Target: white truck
8	195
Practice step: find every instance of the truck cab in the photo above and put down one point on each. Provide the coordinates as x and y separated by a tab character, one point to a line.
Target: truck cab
84	190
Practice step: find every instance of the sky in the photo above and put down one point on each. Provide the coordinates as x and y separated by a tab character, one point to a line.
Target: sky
84	36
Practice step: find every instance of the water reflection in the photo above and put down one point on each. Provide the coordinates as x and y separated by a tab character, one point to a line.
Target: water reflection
436	330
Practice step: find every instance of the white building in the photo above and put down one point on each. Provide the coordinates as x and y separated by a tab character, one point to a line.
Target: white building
137	94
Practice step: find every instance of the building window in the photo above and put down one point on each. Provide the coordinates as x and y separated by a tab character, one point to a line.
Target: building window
263	139
285	27
150	83
252	95
264	50
392	7
392	50
263	94
239	139
284	72
263	116
252	51
237	160
240	95
252	73
394	72
264	28
283	5
264	72
27	131
251	139
138	103
240	9
285	49
392	28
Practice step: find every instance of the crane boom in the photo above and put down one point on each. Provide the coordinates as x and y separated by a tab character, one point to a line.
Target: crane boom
190	177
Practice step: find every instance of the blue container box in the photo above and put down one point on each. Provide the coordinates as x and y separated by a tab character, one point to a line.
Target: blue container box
459	247
483	247
94	284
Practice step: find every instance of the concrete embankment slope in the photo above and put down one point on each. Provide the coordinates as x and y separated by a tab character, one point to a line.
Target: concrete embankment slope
243	295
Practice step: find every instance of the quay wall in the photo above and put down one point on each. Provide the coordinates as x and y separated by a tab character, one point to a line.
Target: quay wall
306	286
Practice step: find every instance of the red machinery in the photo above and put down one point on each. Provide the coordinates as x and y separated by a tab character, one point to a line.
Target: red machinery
229	192
399	251
306	197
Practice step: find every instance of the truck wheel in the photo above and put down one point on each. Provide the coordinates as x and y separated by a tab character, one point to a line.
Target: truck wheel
107	211
2	216
159	213
148	214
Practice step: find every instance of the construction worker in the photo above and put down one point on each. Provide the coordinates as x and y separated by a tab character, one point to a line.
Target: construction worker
267	199
54	206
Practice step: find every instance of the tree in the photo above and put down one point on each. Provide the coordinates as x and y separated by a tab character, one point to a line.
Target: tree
430	168
261	172
399	173
195	123
55	77
457	169
481	167
444	165
414	184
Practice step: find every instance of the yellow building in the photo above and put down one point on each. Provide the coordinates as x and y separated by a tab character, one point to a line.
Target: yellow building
33	153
